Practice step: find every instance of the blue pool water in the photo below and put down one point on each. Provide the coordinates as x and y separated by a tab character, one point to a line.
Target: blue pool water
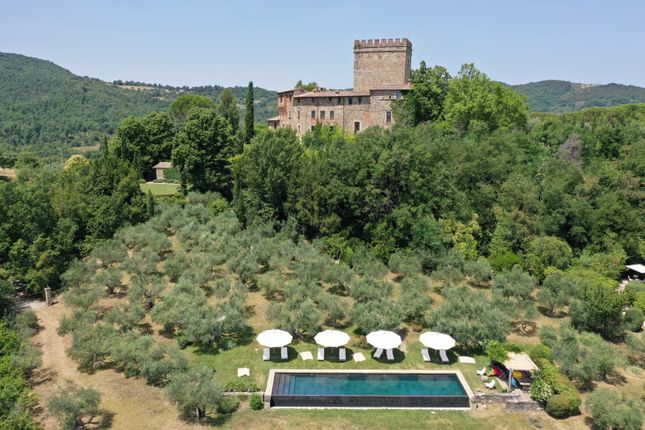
372	384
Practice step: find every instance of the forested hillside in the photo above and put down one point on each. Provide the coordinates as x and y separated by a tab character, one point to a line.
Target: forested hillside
563	96
44	107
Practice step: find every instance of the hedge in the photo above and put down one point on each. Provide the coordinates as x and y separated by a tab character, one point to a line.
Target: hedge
566	400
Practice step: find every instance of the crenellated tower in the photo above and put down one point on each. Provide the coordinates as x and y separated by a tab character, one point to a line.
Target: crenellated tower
381	63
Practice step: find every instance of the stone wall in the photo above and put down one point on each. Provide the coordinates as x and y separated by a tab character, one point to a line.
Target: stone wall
515	401
381	62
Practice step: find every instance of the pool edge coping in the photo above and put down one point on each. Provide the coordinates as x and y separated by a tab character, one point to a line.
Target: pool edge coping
457	372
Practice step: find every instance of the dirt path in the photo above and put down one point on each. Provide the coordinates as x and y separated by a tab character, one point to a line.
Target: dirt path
135	405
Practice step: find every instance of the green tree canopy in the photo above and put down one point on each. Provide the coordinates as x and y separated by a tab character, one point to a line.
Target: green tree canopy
227	107
182	106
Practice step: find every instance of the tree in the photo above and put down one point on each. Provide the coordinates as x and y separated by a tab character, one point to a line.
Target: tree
195	391
557	291
76	161
227	108
76	407
470	318
599	308
425	102
150	204
249	121
202	151
545	252
474	100
378	314
183	106
515	284
265	175
611	410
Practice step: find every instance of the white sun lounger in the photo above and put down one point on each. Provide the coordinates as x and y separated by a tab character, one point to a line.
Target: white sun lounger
342	354
284	353
390	354
378	352
443	355
321	354
482	371
426	355
243	371
266	355
490	385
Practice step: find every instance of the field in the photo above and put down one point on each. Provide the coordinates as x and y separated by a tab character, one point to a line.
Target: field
160	189
192	264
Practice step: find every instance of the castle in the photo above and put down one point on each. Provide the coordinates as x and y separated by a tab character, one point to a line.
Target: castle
382	70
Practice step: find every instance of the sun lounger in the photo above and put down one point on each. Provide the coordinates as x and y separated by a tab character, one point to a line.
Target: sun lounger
378	352
306	355
284	353
266	355
425	354
321	354
342	354
243	371
443	355
482	371
390	354
490	385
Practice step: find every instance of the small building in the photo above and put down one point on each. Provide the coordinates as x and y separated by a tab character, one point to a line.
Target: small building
382	70
521	368
636	271
160	167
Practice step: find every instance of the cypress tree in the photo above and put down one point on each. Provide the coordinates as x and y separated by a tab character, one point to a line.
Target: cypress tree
248	119
150	204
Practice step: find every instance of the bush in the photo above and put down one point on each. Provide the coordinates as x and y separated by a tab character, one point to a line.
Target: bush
256	402
541	391
496	351
610	410
540	351
563	405
228	405
241	387
634	319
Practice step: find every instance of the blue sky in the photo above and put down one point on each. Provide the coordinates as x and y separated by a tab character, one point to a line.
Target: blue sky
275	43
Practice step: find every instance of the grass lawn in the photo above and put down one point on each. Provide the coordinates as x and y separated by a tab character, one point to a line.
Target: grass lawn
160	189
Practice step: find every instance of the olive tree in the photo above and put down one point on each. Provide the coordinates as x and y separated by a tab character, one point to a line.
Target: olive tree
195	391
611	410
76	407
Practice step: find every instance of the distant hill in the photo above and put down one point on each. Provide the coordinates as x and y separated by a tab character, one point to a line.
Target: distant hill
564	96
44	107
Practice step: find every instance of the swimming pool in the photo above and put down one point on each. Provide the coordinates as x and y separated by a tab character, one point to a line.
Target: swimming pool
364	389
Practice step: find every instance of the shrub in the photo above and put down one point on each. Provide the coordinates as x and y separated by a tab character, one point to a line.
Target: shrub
479	272
256	402
563	405
241	386
610	410
541	391
404	264
540	351
228	405
496	351
634	319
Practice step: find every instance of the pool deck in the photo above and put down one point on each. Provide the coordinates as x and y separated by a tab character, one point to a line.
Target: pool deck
269	389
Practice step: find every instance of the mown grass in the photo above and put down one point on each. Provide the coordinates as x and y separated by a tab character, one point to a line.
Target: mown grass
160	189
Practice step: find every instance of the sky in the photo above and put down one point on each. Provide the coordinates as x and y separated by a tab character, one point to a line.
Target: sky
275	43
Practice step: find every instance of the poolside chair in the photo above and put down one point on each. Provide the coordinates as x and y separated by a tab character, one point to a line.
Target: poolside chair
482	371
444	356
490	385
342	354
321	354
390	354
378	353
266	355
284	353
426	355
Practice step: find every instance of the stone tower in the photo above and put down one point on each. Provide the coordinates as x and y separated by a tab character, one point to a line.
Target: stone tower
381	63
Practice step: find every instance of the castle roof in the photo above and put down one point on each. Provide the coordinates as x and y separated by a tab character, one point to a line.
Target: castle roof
333	93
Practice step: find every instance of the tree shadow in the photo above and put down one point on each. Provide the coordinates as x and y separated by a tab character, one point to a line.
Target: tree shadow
339	290
548	313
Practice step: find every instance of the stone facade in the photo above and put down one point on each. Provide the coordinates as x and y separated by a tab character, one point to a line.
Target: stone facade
381	74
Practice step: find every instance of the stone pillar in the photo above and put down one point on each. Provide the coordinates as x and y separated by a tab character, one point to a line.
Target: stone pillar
48	296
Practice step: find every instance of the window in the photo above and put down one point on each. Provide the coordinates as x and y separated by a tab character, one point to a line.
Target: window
388	116
289	114
359	100
298	128
322	114
338	100
329	99
298	114
313	114
357	126
349	101
331	114
312	127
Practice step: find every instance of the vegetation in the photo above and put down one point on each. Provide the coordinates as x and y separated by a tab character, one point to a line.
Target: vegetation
610	410
76	407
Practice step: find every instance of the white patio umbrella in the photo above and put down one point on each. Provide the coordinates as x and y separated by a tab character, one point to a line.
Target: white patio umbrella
384	339
332	338
274	338
438	341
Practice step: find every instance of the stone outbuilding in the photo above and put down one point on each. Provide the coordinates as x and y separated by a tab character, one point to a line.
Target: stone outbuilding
160	168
